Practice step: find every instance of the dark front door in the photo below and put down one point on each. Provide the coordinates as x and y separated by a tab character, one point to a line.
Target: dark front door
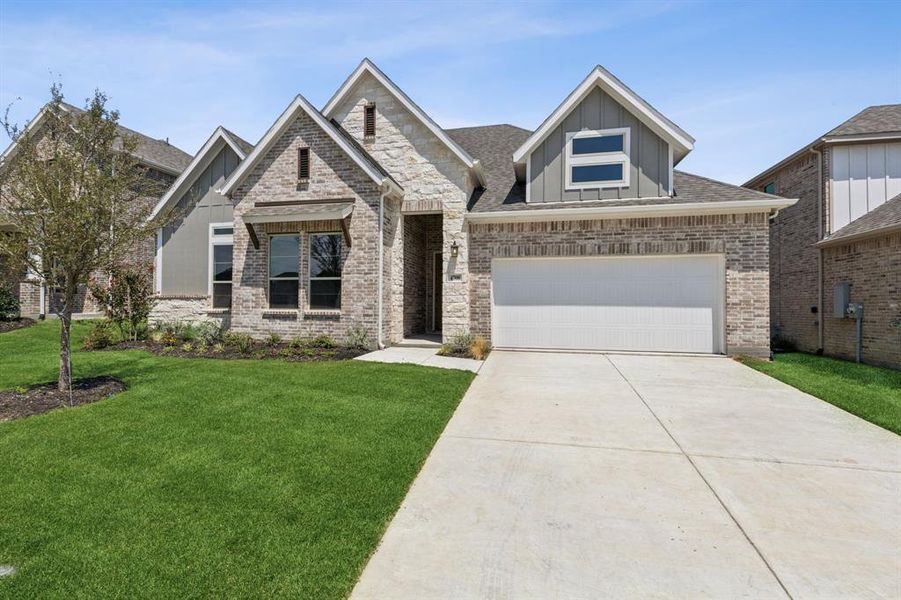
437	295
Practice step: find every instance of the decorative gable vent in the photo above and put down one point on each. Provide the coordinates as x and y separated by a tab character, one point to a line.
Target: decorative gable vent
303	164
369	121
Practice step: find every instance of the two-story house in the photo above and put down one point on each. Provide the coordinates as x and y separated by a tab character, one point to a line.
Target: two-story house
842	240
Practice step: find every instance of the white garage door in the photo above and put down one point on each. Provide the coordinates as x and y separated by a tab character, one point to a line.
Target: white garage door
661	304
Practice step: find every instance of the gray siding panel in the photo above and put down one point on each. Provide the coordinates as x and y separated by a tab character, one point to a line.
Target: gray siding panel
649	169
185	252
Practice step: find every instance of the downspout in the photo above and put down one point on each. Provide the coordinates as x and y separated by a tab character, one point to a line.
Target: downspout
381	242
820	283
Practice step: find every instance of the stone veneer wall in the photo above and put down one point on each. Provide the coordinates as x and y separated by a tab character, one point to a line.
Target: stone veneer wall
433	178
743	239
873	268
187	309
332	175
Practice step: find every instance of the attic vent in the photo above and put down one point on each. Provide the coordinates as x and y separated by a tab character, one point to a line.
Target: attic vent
303	164
369	121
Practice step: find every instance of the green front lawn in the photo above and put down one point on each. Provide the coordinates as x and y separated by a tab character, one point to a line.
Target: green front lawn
871	393
208	478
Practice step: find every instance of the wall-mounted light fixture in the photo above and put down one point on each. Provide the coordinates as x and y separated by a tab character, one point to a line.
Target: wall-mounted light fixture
455	249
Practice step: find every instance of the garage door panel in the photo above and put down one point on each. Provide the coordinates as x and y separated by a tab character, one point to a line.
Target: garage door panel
648	303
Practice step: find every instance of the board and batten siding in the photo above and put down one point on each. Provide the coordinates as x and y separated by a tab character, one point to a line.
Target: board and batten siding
864	176
649	155
186	242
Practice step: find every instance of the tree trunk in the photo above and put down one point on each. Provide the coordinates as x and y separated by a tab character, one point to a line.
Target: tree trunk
64	383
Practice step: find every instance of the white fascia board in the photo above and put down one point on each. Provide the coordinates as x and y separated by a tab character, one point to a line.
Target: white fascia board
367	66
620	212
201	161
32	126
646	113
862	137
301	104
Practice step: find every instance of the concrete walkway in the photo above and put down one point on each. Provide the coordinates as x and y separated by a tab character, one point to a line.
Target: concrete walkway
422	356
588	476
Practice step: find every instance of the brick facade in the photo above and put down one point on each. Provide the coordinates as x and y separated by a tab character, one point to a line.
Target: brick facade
873	268
742	239
332	175
793	257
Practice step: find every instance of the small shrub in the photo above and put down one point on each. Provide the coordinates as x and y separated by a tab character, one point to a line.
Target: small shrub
273	339
201	348
357	337
260	354
167	349
459	344
286	353
218	348
9	303
168	339
187	347
100	335
241	341
296	343
189	333
322	341
479	348
127	297
209	332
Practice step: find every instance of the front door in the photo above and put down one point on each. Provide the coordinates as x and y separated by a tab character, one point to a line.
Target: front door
437	294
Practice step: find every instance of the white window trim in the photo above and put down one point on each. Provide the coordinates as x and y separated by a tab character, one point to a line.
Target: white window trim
599	158
218	240
310	237
269	278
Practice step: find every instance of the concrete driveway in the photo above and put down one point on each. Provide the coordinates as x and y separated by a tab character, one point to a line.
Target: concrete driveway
587	475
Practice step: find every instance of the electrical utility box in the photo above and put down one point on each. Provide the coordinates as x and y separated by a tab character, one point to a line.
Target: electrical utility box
841	295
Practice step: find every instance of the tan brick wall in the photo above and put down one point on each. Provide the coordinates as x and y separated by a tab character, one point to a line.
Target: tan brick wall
873	268
332	175
793	257
742	239
433	178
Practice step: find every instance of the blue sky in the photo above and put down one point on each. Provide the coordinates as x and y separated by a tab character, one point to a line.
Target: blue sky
752	82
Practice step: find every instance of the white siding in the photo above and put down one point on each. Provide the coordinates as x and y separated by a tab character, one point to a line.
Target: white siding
863	177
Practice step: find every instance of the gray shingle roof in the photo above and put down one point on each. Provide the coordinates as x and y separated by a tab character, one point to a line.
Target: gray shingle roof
152	151
885	216
245	146
494	145
874	119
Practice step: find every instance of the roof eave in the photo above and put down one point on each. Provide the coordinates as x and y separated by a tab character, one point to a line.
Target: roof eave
856	237
683	143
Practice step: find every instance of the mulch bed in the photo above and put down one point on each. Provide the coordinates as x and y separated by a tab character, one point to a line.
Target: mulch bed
18	403
260	351
14	324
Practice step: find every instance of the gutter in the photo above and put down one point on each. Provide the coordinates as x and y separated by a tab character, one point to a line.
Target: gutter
381	278
616	212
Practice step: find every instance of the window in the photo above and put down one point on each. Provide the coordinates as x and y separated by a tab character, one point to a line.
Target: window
221	265
369	120
597	159
770	188
284	258
303	164
326	265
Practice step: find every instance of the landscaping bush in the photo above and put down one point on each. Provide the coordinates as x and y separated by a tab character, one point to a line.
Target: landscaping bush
357	337
273	339
209	333
9	303
128	299
241	341
479	348
322	341
100	336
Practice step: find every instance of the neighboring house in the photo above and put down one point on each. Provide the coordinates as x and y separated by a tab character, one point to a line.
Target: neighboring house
844	229
580	235
164	163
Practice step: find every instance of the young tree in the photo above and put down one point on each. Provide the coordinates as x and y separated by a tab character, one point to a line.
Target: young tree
78	199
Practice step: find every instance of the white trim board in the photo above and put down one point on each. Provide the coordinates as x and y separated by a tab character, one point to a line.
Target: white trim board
200	162
367	66
278	128
647	114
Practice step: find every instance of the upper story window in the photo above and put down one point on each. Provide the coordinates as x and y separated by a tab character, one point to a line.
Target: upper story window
221	240
369	120
770	188
303	164
597	158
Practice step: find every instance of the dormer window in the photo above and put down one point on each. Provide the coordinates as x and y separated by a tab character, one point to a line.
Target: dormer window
597	159
369	121
303	164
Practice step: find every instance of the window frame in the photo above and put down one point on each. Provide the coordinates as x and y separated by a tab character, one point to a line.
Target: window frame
270	278
622	157
769	184
310	277
219	239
